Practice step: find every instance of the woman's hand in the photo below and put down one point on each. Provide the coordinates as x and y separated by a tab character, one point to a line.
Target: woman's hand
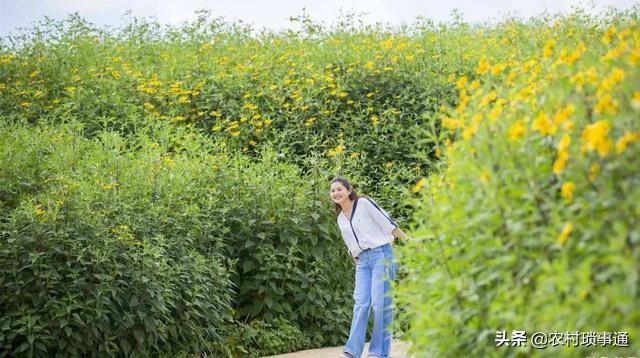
398	233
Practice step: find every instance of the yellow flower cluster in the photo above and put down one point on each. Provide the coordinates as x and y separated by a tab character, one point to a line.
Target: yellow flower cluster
419	184
596	137
339	149
564	234
575	104
562	154
567	190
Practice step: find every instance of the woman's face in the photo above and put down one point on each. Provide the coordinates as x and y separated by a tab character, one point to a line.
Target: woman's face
338	193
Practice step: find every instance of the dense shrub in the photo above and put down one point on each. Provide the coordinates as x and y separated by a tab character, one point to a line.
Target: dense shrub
156	242
338	93
260	338
102	254
532	223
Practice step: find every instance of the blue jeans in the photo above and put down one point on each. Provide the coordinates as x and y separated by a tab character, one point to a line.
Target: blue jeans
374	270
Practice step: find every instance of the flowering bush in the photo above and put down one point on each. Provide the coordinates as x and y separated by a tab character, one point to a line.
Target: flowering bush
532	222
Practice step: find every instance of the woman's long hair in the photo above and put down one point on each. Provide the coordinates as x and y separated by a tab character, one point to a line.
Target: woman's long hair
353	196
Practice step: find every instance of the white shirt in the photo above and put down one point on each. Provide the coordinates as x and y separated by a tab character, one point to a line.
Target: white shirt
370	226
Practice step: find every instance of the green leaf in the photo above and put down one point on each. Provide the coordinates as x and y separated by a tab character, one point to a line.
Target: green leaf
125	346
247	266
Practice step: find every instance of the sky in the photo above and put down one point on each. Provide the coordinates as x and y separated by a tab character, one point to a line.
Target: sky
274	14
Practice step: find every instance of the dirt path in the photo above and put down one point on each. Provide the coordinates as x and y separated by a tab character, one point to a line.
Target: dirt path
398	350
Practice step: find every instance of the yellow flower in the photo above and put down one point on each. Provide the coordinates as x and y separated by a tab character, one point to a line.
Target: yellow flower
562	115
510	77
635	101
5	59
335	151
169	162
416	188
375	120
613	53
38	210
469	131
563	145
595	137
570	58
517	130
562	238
584	294
462	82
563	154
567	191
110	185
464	99
559	163
543	125
608	36
627	137
591	75
617	75
488	98
484	176
483	67
548	48
450	123
578	80
605	105
496	69
495	112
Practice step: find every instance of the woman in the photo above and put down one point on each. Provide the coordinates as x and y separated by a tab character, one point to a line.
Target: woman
367	230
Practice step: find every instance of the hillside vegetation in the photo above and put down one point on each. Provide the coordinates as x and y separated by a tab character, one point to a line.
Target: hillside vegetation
164	189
